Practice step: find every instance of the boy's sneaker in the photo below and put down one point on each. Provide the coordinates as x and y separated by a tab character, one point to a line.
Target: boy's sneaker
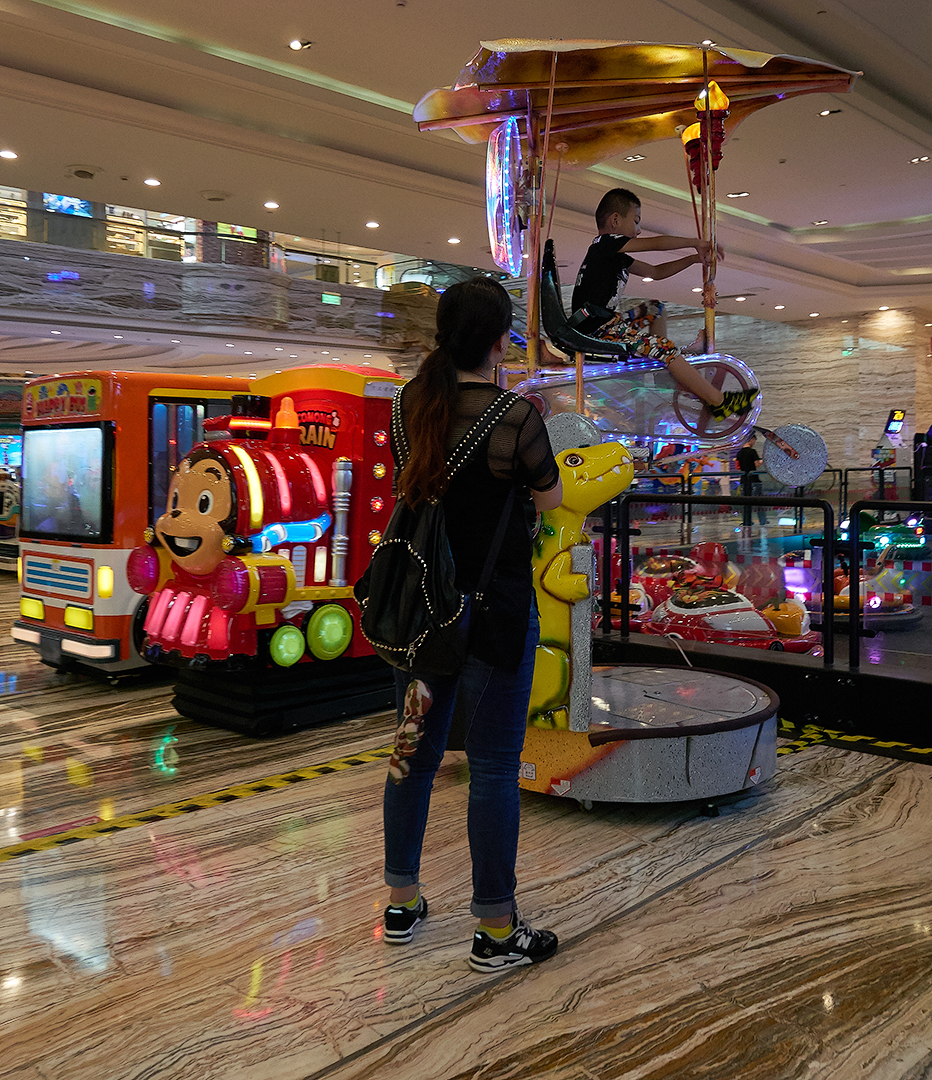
524	945
401	921
734	403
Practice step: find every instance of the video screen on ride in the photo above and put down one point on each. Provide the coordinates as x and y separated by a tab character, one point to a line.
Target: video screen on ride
63	491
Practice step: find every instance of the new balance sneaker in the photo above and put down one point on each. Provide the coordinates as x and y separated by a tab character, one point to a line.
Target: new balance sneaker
734	403
524	945
400	921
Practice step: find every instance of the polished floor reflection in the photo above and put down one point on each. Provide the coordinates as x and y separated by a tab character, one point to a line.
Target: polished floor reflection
788	937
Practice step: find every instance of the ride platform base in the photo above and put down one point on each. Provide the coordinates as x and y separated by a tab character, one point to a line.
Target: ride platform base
658	734
278	701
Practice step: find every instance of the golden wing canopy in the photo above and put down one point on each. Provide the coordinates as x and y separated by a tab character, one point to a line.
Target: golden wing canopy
612	96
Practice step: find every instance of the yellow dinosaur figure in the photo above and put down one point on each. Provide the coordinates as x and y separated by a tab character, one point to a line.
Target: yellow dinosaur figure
591	476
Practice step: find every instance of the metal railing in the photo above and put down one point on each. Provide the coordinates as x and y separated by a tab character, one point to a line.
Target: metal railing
621	507
854	574
881	483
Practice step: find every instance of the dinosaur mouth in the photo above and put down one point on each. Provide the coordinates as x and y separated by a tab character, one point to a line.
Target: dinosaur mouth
180	546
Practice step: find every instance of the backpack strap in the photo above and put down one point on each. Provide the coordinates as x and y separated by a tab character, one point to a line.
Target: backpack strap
469	443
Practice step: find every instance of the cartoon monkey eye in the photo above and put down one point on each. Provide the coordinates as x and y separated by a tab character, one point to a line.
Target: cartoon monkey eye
572	460
174	502
205	502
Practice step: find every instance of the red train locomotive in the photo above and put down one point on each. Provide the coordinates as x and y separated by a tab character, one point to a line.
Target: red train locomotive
249	571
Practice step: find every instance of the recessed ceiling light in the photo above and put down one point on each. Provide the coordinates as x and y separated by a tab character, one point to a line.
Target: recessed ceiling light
813	314
779	307
230	345
648	279
913	161
454	240
697	290
55	331
886	307
176	341
825	112
294	355
324	352
247	354
820	223
297	45
737	194
738	299
152	182
9	155
372	224
270	205
635	157
708	41
118	337
279	348
370	354
355	266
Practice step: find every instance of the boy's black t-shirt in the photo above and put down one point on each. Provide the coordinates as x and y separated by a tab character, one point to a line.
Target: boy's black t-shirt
604	273
747	458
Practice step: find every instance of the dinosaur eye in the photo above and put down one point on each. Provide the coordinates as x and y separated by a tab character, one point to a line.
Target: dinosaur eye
174	504
572	460
205	502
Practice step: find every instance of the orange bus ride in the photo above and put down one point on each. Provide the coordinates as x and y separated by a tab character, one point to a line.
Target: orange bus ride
99	451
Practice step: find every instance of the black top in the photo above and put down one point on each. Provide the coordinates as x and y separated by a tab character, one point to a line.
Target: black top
747	458
604	273
517	452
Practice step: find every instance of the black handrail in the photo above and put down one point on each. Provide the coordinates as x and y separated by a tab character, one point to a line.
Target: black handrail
624	502
854	574
845	486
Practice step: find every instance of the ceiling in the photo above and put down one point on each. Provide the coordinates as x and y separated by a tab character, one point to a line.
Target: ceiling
208	97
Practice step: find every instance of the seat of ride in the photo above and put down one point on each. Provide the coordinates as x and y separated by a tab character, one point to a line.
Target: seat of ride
557	325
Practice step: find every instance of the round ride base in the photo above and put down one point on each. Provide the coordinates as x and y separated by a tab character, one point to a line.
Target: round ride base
659	734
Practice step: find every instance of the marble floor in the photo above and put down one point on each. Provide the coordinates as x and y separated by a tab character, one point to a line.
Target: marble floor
788	937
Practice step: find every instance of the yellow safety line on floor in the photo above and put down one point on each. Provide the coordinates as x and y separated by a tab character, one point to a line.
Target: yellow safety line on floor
811	735
187	806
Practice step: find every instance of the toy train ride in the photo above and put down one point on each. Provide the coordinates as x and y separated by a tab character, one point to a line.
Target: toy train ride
249	570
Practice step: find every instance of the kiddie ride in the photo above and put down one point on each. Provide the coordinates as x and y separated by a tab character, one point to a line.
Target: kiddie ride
249	571
623	733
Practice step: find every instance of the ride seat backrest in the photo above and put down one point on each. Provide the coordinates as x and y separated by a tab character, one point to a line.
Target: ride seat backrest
553	315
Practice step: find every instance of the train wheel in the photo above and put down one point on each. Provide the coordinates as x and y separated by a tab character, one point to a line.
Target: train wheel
329	631
286	646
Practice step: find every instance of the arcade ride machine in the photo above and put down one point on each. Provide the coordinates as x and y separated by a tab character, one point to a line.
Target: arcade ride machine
625	732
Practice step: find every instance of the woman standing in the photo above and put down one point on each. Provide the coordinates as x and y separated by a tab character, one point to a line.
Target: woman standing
451	391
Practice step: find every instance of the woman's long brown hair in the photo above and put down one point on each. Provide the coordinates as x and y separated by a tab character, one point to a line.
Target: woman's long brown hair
471	316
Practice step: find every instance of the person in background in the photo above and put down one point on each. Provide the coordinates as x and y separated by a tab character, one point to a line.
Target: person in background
749	462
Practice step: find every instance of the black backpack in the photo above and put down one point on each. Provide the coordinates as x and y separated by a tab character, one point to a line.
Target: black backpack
413	615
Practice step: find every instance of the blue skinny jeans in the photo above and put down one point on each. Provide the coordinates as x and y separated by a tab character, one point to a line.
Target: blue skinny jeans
495	704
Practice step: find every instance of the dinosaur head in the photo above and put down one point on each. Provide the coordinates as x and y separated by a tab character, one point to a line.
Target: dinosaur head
594	474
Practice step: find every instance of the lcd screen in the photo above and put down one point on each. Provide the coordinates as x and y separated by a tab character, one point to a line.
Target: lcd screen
66	204
63	489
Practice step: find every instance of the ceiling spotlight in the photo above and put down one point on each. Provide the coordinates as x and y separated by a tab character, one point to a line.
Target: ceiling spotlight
372	224
324	352
454	240
737	194
708	41
279	348
117	337
176	341
297	45
823	222
294	355
813	314
367	354
230	345
9	155
635	157
697	290
825	112
779	307
884	308
55	331
270	205
247	353
739	299
152	182
648	279
913	161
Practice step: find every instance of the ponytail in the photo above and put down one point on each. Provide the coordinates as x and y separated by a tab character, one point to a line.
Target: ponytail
471	316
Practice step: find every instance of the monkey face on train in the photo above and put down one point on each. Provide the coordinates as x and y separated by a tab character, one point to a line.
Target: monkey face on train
201	511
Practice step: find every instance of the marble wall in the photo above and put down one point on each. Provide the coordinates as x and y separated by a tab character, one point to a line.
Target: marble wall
840	376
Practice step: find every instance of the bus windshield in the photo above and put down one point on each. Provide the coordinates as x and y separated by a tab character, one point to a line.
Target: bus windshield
64	493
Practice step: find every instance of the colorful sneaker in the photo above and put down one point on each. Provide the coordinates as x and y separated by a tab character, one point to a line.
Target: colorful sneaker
400	922
734	403
524	945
